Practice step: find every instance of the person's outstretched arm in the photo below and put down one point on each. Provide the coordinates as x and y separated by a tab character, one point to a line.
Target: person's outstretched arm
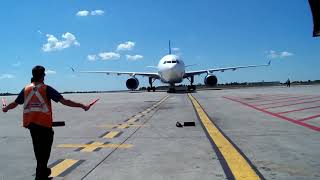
14	104
10	106
70	103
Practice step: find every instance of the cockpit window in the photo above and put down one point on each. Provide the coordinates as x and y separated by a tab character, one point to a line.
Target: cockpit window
168	61
174	61
165	62
178	62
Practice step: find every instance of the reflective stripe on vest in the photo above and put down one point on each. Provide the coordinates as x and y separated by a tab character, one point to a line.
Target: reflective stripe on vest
34	107
37	108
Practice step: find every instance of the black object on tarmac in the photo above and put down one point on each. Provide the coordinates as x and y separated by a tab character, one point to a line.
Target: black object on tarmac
178	124
58	123
189	124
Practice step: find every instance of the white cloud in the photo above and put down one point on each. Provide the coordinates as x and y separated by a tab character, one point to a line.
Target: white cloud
53	44
17	64
273	54
83	13
175	49
97	13
134	57
129	45
50	72
109	55
286	54
7	76
92	57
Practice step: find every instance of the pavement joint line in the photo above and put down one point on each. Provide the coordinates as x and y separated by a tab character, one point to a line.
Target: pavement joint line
116	126
233	161
64	167
95	145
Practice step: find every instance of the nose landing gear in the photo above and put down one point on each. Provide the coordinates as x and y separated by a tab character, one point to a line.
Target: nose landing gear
171	89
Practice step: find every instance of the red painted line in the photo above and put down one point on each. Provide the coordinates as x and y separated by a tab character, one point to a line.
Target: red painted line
308	118
262	99
315	97
277	115
285	112
285	105
284	98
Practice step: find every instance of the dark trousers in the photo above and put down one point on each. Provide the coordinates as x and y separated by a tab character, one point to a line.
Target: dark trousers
42	139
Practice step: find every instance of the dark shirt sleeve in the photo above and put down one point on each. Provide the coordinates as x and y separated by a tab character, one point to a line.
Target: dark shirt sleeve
53	94
20	98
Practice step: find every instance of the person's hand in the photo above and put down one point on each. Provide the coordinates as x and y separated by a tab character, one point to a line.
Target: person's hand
86	107
4	109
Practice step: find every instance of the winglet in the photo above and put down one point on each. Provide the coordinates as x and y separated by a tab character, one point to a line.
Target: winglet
269	63
72	69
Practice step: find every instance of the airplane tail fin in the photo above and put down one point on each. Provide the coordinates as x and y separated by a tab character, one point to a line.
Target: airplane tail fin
169	47
269	63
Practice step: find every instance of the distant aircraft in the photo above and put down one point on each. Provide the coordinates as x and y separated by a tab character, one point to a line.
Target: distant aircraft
171	70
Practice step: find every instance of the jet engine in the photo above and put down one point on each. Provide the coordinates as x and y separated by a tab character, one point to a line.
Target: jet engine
132	83
210	80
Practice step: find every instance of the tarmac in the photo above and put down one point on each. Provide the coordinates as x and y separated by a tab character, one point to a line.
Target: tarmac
245	133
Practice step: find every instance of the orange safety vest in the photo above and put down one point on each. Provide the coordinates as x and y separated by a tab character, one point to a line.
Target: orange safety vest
37	108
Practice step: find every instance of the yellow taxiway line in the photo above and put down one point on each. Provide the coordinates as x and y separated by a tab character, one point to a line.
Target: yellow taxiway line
111	134
94	146
238	165
62	166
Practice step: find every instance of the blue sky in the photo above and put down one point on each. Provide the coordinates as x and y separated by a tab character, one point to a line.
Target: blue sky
209	33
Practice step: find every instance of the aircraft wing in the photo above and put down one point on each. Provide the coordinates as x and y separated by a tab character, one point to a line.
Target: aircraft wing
147	74
192	73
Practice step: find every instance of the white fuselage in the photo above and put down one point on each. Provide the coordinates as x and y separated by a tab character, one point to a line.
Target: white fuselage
171	69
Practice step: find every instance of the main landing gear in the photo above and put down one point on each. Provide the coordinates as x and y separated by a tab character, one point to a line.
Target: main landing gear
151	87
191	87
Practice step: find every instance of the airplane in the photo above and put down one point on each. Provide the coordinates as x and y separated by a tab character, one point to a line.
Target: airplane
172	70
